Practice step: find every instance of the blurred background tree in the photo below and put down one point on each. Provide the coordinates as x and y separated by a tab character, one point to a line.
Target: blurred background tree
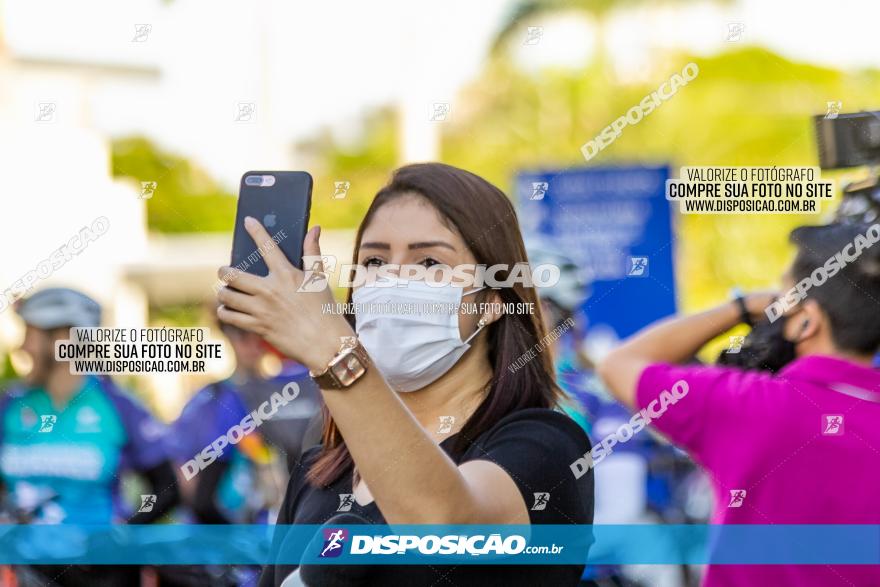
747	106
191	201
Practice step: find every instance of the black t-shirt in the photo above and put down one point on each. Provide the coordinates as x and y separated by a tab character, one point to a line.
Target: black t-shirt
535	446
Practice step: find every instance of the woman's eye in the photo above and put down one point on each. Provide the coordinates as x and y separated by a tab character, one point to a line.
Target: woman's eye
372	262
429	262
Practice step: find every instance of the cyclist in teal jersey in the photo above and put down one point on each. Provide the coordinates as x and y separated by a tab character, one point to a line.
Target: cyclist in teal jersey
66	439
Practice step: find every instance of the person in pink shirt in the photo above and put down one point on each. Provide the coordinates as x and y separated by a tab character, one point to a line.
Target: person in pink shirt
798	446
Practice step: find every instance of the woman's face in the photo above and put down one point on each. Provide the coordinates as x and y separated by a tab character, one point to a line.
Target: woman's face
408	230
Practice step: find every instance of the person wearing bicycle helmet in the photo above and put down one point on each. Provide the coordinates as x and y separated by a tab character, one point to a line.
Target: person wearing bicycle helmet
74	435
590	404
242	482
560	303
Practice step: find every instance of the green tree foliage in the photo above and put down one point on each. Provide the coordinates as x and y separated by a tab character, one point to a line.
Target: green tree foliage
365	164
746	107
186	198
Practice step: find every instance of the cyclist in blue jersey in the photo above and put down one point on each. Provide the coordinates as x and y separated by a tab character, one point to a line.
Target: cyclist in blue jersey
559	304
66	439
244	479
589	403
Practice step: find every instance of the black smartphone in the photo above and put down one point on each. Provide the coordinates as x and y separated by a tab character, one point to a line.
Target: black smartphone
280	200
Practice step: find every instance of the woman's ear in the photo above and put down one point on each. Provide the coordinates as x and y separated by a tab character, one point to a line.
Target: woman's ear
492	307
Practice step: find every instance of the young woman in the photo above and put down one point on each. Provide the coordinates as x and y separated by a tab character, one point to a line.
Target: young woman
425	423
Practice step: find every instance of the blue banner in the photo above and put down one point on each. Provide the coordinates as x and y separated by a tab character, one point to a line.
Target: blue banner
615	222
438	545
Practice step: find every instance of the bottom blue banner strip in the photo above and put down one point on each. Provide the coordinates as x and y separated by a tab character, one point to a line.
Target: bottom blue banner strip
437	545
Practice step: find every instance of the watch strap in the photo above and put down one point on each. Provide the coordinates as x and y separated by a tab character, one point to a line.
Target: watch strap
348	365
744	315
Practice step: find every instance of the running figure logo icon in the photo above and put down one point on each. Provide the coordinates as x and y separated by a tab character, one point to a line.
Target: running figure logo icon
315	278
833	109
541	499
736	498
147	189
735	32
47	423
539	189
736	344
439	112
341	189
142	33
147	503
832	424
333	541
45	112
346	500
446	424
533	35
638	267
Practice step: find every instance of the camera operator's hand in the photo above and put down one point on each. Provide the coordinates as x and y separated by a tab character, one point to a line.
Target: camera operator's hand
758	302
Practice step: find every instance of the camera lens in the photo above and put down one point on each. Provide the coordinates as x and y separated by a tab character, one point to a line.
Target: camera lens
253	180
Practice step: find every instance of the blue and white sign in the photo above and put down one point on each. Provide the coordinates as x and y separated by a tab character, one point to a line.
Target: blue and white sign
616	223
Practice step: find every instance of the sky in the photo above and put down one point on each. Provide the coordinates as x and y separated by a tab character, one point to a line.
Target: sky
309	65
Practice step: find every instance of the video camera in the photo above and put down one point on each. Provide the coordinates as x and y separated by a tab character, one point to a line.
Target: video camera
852	140
844	140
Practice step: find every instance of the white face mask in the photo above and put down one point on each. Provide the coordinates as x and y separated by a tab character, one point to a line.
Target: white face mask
412	346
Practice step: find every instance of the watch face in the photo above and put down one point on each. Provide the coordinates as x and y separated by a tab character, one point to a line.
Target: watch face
348	369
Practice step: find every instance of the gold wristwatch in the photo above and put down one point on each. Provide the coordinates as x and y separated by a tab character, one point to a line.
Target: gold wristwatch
346	367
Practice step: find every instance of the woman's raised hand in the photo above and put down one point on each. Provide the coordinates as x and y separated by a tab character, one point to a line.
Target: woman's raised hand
296	322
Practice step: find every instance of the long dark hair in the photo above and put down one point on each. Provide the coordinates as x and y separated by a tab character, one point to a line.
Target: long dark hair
487	222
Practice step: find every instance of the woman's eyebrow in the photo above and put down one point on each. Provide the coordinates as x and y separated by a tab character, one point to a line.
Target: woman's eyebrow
412	246
429	244
374	245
